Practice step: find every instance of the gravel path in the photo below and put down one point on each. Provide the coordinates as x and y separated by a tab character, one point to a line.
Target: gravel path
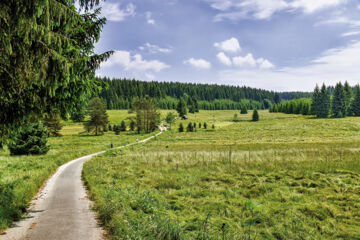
61	210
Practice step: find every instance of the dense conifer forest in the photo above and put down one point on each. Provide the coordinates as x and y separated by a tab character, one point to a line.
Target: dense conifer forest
120	94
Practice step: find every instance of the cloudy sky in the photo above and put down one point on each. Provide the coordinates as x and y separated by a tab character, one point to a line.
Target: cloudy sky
270	44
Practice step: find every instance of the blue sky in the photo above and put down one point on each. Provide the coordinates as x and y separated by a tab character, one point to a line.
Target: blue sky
270	44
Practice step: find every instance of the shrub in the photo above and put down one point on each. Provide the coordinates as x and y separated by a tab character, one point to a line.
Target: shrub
53	125
122	126
132	125
199	125
255	116
110	127
190	127
205	125
181	128
30	139
213	126
117	129
243	110
235	118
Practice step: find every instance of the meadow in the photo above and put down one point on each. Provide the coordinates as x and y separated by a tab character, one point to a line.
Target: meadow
22	176
284	177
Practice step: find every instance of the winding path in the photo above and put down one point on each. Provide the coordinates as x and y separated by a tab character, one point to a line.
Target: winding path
61	210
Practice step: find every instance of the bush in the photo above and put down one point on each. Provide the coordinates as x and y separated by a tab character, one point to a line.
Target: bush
190	127
53	125
132	125
181	128
122	126
213	126
30	139
199	125
110	127
255	116
243	110
205	125
116	129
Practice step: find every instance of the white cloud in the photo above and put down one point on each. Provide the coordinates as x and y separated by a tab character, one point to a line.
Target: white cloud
113	11
332	66
198	63
149	19
154	48
250	62
224	59
348	34
265	9
230	45
134	63
339	20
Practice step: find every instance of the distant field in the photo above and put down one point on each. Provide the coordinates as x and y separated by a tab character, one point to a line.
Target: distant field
285	177
21	177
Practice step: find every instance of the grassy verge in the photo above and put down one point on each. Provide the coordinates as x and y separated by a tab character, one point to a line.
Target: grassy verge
285	177
22	176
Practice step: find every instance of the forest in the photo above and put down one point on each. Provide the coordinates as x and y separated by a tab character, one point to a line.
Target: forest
120	94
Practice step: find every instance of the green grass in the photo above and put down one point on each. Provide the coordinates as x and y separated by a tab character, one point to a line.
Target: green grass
22	176
285	177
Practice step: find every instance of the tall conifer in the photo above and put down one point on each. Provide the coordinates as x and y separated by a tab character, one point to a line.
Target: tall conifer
339	103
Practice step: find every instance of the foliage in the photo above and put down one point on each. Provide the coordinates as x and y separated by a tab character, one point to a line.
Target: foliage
47	58
116	129
147	116
123	126
296	106
30	139
132	125
78	115
347	98
205	125
190	127
170	118
98	117
355	105
181	107
181	127
255	116
53	125
339	102
243	109
323	109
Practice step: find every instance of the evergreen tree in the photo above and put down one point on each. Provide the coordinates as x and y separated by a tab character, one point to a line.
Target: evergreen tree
255	116
181	128
205	125
181	107
199	125
323	107
213	126
190	127
53	125
338	103
47	57
348	97
355	106
117	129
78	114
110	127
316	101
123	126
98	117
277	98
29	139
243	110
132	125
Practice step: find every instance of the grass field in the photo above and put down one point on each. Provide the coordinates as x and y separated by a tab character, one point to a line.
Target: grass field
22	176
285	177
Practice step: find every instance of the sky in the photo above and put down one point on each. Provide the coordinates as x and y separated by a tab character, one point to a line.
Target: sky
281	45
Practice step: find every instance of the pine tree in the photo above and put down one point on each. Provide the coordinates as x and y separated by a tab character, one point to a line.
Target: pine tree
181	127
348	97
323	107
123	126
315	101
355	106
53	125
47	51
181	107
30	139
255	116
190	127
338	103
243	110
132	125
98	116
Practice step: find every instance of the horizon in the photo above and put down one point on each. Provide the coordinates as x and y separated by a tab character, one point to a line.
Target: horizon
282	46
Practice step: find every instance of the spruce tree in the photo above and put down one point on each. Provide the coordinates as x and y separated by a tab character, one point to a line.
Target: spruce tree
110	127
315	101
116	129
29	139
123	126
323	107
181	107
243	109
47	57
355	105
338	102
53	125
199	125
205	125
348	97
255	116
190	127
181	127
98	117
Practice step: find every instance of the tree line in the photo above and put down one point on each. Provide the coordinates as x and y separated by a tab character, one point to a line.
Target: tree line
339	101
122	93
